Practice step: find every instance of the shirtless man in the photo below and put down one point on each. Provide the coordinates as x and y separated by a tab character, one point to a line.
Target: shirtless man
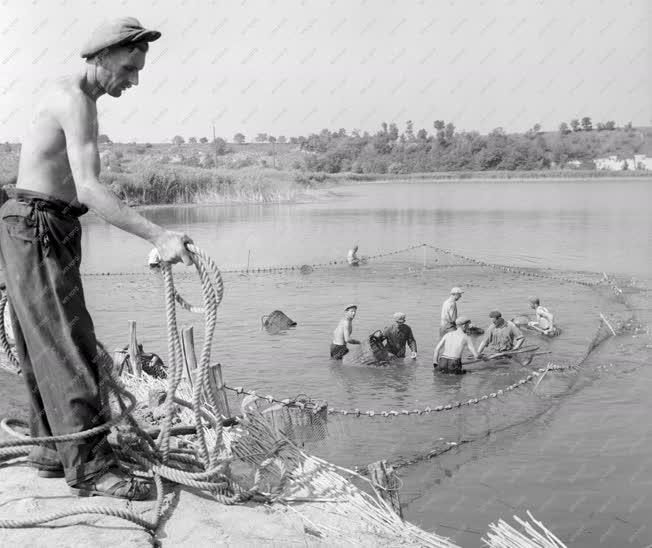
342	334
352	256
40	250
545	320
451	347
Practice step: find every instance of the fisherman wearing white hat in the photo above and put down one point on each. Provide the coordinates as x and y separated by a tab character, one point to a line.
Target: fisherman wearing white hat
449	311
40	250
342	333
398	335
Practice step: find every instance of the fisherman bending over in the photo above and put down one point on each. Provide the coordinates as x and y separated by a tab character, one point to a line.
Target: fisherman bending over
451	347
545	320
398	335
352	256
502	334
342	334
449	311
40	250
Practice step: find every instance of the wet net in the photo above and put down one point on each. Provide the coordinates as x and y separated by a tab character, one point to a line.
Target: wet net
284	445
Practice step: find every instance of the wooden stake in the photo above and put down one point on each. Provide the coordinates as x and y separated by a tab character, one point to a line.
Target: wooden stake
385	482
608	324
218	393
134	353
188	350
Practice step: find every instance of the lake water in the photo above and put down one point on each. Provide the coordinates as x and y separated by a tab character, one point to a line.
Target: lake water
575	453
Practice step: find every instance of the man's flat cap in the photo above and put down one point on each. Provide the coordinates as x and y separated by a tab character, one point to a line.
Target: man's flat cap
117	32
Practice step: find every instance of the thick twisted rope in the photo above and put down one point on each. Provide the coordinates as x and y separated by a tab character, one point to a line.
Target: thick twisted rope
6	347
157	457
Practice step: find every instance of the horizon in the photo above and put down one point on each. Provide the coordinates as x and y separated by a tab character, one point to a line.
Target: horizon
296	70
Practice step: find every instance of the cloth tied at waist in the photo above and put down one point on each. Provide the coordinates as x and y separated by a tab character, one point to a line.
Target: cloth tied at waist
42	201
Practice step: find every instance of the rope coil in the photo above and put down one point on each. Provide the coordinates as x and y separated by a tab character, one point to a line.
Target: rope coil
156	457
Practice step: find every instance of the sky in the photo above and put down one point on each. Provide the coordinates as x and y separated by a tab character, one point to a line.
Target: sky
295	67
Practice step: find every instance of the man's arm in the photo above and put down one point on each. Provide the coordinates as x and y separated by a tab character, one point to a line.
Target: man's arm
518	337
469	345
435	357
78	118
486	340
412	343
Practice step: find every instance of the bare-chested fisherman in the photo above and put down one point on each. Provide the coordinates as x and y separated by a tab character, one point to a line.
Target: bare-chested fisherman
448	353
352	256
545	322
40	250
342	334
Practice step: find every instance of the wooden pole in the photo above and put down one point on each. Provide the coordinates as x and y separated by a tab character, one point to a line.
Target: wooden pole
216	386
188	350
214	147
134	353
385	481
248	258
608	324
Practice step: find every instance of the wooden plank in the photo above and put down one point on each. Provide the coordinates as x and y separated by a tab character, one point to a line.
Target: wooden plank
188	351
218	392
386	483
134	353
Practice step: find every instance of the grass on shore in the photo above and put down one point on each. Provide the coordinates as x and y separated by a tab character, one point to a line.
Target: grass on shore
187	185
147	183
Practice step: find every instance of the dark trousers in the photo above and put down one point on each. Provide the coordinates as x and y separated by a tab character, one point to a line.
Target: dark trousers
338	351
40	251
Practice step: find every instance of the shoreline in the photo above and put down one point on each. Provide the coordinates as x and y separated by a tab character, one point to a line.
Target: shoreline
335	181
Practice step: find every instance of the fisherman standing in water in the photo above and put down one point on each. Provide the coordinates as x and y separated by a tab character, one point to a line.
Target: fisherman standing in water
502	335
451	347
545	320
352	256
449	312
398	335
342	334
40	250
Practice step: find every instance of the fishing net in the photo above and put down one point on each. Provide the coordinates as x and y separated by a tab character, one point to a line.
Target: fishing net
277	321
284	443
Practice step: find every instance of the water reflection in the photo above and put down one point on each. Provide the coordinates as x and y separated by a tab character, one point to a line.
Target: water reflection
551	224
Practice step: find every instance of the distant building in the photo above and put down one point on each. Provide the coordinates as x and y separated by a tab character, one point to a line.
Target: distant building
615	163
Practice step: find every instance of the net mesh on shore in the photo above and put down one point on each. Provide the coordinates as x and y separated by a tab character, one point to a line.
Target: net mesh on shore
339	511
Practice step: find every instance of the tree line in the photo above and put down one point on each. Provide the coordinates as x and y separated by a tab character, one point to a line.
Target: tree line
444	148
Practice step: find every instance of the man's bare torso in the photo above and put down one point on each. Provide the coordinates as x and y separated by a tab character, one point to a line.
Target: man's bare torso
454	343
44	165
342	331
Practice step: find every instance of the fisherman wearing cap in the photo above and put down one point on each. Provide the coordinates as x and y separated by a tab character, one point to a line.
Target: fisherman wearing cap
502	334
449	311
342	333
545	320
398	335
40	249
448	353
